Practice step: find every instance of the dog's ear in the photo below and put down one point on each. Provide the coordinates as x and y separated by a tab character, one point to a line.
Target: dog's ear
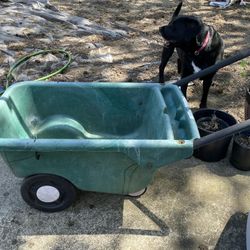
193	29
191	25
177	10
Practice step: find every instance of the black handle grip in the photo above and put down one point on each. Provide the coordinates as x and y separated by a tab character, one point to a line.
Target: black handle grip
239	56
226	132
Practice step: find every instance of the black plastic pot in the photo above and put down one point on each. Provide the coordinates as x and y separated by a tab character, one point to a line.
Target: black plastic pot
240	154
217	150
247	104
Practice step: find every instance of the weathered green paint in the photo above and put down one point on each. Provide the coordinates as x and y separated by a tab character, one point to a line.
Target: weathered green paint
105	137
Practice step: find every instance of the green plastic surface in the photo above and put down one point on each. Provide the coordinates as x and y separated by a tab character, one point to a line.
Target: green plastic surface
104	137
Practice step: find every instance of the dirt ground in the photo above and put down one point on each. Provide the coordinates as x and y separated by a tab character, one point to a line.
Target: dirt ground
136	57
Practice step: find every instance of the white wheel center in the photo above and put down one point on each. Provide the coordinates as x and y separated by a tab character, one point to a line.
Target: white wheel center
138	193
47	194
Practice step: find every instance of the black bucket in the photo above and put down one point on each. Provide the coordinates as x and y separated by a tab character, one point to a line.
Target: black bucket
247	104
217	150
240	154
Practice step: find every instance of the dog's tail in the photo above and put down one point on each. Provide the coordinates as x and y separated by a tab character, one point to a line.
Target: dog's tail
177	10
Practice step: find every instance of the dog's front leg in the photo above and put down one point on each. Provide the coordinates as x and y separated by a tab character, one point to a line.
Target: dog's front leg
206	85
185	72
167	52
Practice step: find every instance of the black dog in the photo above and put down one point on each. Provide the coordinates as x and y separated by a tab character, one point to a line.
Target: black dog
198	46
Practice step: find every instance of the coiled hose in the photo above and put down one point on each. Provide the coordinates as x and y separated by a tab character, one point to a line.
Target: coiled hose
24	59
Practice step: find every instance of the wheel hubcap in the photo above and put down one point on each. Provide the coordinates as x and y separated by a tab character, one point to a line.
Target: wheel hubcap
47	194
138	193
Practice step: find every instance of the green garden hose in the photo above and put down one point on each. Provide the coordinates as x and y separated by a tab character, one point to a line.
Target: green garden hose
24	59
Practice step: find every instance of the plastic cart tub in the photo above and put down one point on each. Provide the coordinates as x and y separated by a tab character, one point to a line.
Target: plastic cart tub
102	137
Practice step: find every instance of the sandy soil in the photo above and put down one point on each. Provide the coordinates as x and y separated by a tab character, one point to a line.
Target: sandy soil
136	58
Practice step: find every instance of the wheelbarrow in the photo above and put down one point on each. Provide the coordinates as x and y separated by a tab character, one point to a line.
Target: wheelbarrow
99	137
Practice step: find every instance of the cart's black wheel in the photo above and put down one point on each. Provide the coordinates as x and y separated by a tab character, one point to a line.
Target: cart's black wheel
48	193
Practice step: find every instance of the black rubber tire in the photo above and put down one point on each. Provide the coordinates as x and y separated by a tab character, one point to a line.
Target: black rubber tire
66	192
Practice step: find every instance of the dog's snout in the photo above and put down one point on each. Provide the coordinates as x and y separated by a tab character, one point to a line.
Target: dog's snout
161	30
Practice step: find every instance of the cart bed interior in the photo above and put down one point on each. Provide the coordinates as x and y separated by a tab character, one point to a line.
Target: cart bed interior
90	111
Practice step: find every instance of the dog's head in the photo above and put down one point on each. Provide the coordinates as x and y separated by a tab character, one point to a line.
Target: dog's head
182	30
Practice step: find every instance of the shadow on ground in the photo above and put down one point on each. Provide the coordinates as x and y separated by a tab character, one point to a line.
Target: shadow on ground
234	233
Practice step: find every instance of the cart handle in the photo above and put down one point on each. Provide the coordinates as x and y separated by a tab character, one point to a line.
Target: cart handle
224	133
239	56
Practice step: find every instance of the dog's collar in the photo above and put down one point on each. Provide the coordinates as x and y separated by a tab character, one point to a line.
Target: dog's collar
204	44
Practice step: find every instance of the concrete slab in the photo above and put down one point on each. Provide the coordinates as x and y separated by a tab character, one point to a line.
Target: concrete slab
190	205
